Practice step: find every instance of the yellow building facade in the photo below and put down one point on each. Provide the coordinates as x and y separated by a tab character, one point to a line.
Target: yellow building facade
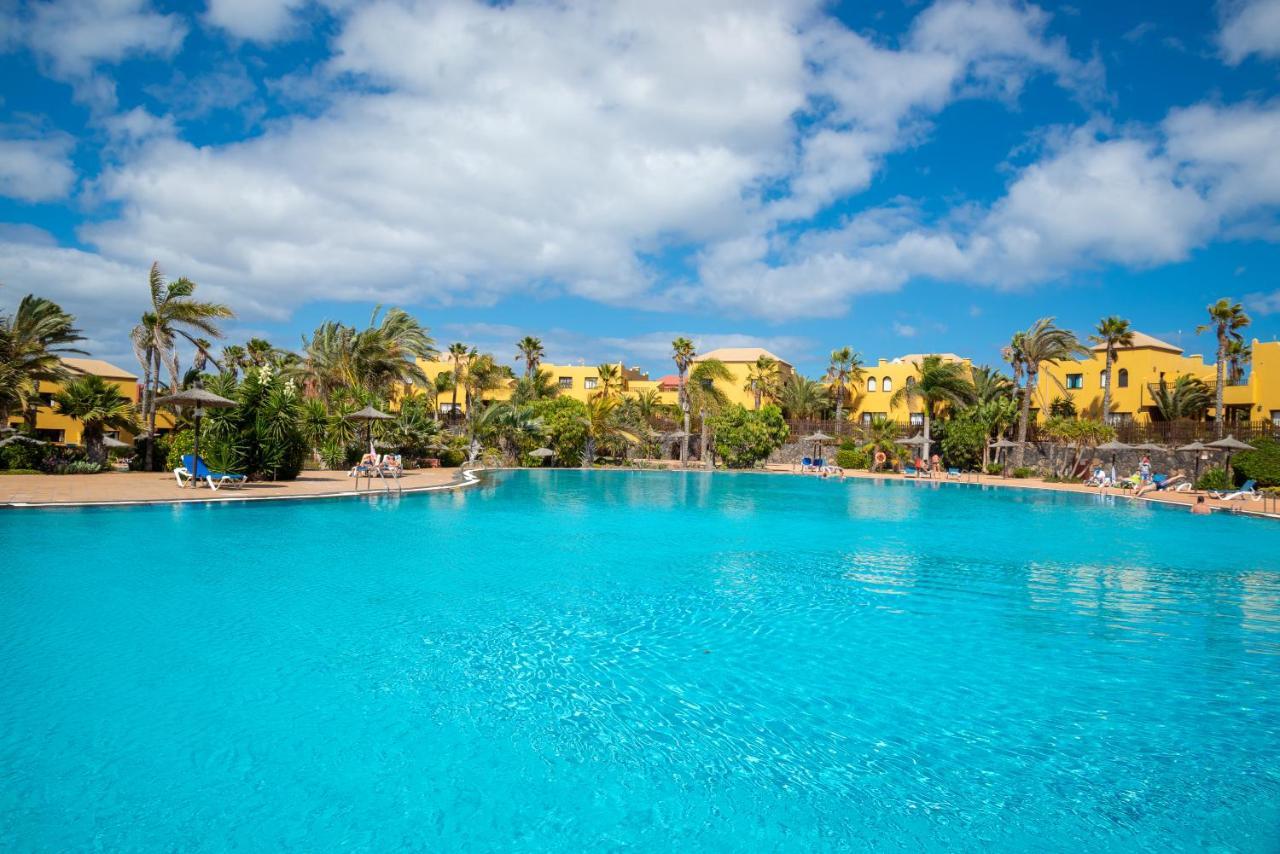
872	396
53	426
739	361
1136	374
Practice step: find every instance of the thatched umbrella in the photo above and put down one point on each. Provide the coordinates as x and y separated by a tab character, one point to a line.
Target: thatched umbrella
369	415
818	439
542	453
1114	446
201	400
110	442
1002	444
1230	444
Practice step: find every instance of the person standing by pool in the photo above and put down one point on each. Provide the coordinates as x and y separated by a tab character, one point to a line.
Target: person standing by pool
1144	469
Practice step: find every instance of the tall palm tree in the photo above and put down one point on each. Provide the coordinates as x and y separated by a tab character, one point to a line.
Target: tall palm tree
529	350
1226	319
845	367
1043	343
610	380
459	354
1239	354
234	358
940	382
802	397
99	406
484	375
32	342
259	351
707	398
682	353
536	386
1111	334
648	405
881	434
763	379
174	312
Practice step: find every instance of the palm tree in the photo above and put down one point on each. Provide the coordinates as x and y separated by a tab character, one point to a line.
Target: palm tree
602	426
706	396
1188	397
234	358
259	350
939	382
682	353
1225	319
536	386
1239	354
460	354
529	350
1111	334
844	368
990	384
99	406
1042	343
881	434
610	377
32	342
763	379
173	312
648	405
484	375
801	397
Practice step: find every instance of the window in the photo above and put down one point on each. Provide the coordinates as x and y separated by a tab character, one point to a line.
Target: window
1075	381
911	381
886	385
871	384
566	382
917	419
590	383
1102	380
868	417
1275	417
1122	379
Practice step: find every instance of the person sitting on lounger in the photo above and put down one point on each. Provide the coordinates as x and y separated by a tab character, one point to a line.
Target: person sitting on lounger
1099	477
368	463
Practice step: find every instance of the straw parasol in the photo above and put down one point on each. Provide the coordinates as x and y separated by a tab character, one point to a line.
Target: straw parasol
1198	448
369	415
1002	444
542	453
1230	445
201	400
1114	446
1149	448
110	442
818	439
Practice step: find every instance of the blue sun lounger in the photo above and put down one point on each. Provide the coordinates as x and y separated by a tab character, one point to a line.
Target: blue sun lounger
194	472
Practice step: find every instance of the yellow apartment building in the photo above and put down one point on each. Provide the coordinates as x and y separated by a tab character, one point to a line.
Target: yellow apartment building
739	361
579	382
53	426
1137	371
880	382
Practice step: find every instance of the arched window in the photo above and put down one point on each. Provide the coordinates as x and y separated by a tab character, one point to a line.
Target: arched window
886	384
871	383
1122	380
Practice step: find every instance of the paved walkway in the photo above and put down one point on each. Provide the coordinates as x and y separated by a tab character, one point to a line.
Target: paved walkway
113	487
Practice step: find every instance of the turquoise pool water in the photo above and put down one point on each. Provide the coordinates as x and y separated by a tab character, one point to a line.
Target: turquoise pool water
602	660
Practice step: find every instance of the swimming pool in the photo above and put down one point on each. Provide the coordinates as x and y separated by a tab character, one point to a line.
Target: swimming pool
585	660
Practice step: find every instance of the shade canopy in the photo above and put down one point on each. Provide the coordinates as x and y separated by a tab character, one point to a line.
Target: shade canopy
1114	445
1147	446
197	397
542	452
1231	443
818	437
370	414
18	437
914	440
110	442
1194	446
1003	443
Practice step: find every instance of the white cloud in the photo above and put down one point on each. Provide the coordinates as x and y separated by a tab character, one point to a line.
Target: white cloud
1250	26
905	330
254	20
73	37
36	170
1263	303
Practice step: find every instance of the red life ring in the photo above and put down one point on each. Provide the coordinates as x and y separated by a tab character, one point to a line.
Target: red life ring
880	457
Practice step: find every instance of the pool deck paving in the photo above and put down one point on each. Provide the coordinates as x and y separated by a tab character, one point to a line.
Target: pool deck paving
146	488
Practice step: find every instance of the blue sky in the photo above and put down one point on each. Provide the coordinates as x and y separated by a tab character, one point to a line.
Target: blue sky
895	177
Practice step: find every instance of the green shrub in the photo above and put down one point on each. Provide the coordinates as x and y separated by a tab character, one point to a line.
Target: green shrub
19	471
853	458
995	468
452	458
78	467
21	455
139	460
1262	465
562	425
744	437
1062	478
1023	472
1214	478
962	443
180	443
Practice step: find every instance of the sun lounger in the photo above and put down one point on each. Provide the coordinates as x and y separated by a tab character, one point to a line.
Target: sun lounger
805	464
194	470
953	473
392	466
1246	491
910	471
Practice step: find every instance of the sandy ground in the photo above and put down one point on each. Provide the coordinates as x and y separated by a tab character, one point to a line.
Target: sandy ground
113	487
